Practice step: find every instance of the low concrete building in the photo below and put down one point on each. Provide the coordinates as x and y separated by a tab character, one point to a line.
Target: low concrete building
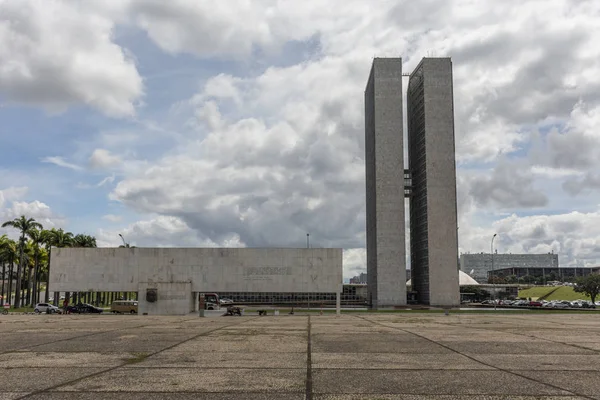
168	280
545	273
479	264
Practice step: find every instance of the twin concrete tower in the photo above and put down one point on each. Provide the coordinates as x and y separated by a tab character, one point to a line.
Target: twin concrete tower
429	183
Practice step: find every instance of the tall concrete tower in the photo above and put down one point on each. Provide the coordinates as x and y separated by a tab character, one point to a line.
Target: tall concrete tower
433	212
384	161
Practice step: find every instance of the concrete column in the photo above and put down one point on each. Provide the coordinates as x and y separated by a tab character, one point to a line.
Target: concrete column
337	303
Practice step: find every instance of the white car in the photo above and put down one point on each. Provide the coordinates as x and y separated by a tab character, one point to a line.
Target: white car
43	308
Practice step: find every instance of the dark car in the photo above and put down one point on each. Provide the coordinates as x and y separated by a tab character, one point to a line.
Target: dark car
83	308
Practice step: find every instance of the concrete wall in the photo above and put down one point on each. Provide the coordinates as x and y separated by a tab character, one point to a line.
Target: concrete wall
204	269
384	164
174	298
441	182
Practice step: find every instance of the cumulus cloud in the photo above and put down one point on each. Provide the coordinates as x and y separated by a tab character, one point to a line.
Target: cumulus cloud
41	212
12	193
269	182
162	231
509	186
55	54
104	159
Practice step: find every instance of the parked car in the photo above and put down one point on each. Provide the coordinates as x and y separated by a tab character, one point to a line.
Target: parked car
44	307
83	308
226	301
535	303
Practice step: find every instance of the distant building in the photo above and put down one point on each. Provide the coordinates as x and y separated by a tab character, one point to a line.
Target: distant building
546	273
359	279
478	265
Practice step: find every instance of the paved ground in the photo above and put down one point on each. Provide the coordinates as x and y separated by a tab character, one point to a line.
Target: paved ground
366	356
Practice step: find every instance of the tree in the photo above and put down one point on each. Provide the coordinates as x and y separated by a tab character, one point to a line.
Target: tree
54	238
37	238
589	285
24	225
8	255
84	241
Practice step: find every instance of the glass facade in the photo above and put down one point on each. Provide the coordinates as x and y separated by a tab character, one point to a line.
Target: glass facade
419	245
479	265
351	295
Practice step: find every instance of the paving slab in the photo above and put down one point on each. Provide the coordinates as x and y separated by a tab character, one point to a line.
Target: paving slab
425	382
34	379
245	343
166	395
437	397
185	359
580	382
541	362
522	347
64	360
384	343
192	380
391	361
12	395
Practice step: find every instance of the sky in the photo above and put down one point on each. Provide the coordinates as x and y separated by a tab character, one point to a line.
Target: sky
239	123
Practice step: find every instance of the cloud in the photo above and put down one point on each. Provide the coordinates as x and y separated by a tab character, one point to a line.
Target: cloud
61	163
12	193
162	231
112	217
576	186
270	182
103	159
354	261
574	236
41	212
55	55
509	186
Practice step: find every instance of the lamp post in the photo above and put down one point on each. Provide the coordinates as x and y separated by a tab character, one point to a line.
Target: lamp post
123	239
307	241
493	280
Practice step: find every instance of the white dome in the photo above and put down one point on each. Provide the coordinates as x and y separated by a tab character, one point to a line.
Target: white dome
463	280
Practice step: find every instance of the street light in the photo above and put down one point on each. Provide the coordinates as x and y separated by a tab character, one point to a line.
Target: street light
493	280
307	241
123	239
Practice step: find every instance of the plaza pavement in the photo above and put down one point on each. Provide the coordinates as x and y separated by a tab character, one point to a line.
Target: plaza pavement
354	356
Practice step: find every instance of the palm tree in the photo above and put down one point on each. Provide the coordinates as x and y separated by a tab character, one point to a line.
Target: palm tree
3	239
8	255
36	239
81	240
24	225
54	238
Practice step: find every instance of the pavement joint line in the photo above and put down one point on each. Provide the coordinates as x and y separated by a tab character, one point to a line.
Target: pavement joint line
534	337
20	349
308	393
126	362
483	363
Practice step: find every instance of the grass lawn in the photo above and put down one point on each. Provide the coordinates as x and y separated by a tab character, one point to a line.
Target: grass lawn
567	293
535	292
562	293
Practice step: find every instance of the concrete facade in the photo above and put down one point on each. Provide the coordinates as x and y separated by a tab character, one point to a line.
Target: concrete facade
179	274
433	208
384	164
